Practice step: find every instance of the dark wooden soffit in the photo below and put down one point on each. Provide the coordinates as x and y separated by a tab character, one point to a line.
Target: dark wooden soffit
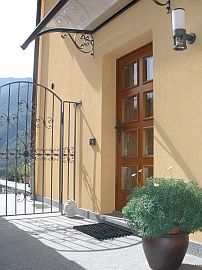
79	17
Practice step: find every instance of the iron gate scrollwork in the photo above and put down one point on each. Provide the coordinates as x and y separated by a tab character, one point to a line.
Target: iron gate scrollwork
37	148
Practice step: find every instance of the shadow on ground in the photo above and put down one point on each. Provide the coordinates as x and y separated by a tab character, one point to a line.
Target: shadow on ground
58	233
190	267
19	251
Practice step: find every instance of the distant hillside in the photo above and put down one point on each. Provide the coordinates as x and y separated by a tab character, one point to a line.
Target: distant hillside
10	131
4	101
14	92
11	79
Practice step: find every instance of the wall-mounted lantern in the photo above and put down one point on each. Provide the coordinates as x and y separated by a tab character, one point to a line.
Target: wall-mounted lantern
181	38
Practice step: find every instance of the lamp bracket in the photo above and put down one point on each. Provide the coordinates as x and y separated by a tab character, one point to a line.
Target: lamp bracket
83	42
167	3
190	38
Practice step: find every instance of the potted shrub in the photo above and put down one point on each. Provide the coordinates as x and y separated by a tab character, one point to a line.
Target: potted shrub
163	212
25	172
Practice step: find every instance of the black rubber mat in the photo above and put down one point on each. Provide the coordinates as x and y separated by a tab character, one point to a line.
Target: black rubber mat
102	231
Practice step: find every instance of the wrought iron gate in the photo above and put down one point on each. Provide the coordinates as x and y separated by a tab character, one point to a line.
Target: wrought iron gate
37	149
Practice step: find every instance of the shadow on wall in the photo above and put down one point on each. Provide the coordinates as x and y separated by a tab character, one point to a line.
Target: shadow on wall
18	250
90	188
172	151
88	65
84	177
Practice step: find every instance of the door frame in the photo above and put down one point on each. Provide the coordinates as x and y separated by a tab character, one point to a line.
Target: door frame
146	86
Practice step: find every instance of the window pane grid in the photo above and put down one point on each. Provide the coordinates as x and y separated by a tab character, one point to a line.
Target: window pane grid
148	142
147	172
148	104
130	109
129	178
148	68
130	76
130	144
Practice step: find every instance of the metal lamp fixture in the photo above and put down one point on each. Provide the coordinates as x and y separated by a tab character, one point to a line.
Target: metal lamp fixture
181	38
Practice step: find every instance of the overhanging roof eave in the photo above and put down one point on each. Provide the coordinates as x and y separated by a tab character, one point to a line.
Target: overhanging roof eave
39	30
115	15
43	23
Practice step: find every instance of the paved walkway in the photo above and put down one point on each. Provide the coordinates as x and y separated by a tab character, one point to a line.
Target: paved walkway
48	242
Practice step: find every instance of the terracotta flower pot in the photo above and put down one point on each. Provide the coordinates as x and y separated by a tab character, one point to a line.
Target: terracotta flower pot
175	230
166	252
26	179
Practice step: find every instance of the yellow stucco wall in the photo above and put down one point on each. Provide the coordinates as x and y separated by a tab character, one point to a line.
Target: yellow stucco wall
177	100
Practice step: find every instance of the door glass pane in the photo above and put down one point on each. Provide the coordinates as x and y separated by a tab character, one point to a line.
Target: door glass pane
130	109
129	178
130	75
148	62
147	172
148	142
148	104
130	143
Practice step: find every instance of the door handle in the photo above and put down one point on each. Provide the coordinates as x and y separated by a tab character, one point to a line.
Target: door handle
138	176
135	174
118	128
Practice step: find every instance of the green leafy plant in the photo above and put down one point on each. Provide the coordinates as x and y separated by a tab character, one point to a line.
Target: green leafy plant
163	204
25	169
13	175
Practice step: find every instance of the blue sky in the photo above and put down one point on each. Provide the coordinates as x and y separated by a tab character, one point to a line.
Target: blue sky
17	21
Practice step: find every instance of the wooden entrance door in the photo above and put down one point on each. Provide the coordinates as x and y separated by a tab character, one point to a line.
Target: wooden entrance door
134	142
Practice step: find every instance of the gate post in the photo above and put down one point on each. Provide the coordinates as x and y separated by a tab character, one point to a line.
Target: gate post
61	158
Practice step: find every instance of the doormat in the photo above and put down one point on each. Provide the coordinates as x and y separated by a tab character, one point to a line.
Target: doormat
102	231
